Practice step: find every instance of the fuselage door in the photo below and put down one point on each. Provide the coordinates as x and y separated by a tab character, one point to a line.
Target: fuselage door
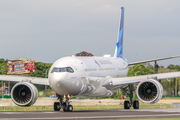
81	68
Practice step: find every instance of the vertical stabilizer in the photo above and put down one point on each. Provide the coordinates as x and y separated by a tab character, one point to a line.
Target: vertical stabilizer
119	44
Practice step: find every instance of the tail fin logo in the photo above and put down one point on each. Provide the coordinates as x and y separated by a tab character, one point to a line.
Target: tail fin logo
119	44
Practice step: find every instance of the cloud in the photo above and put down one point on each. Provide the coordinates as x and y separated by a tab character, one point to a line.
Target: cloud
107	9
56	28
168	9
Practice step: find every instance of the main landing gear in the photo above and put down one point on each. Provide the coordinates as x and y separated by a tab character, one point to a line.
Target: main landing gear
63	104
131	102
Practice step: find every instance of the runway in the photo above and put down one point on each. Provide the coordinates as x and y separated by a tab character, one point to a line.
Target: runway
92	114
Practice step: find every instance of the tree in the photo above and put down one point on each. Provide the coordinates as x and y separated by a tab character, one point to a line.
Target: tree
174	67
41	70
141	69
3	67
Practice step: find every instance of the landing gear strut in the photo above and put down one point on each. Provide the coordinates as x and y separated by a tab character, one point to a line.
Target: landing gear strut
63	104
130	103
156	67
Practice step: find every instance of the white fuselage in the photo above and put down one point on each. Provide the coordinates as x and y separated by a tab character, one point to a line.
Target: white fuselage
71	75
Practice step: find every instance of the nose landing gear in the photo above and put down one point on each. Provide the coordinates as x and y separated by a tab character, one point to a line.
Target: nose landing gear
65	105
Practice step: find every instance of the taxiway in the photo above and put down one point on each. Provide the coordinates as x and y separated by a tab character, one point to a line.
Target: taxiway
93	114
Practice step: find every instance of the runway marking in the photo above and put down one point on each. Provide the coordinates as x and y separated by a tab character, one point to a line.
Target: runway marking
128	116
10	113
23	112
168	110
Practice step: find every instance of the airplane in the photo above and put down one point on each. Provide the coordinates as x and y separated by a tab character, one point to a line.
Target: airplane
91	76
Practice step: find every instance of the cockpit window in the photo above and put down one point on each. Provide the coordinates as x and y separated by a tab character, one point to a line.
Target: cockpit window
69	69
65	69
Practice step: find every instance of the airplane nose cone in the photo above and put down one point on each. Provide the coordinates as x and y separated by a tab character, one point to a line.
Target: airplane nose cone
55	80
64	86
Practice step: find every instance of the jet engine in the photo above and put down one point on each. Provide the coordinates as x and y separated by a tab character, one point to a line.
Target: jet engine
149	91
24	94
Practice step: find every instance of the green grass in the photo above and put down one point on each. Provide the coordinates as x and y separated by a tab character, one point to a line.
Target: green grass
79	107
175	98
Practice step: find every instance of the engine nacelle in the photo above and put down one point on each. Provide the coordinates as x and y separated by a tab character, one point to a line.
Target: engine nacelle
24	94
149	91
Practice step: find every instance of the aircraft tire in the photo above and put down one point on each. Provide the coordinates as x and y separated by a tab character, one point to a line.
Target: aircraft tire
126	105
64	107
136	104
70	108
56	106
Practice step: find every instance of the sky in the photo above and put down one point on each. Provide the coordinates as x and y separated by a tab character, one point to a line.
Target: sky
46	30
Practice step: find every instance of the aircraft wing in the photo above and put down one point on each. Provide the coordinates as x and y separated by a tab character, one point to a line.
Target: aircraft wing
137	79
34	80
152	60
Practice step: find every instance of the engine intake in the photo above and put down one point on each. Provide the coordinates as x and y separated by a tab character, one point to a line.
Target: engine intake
149	91
24	94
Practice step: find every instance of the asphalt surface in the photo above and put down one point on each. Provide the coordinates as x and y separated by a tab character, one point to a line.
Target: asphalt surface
92	114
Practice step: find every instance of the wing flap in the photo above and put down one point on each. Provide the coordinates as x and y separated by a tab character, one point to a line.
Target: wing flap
168	75
137	79
34	80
